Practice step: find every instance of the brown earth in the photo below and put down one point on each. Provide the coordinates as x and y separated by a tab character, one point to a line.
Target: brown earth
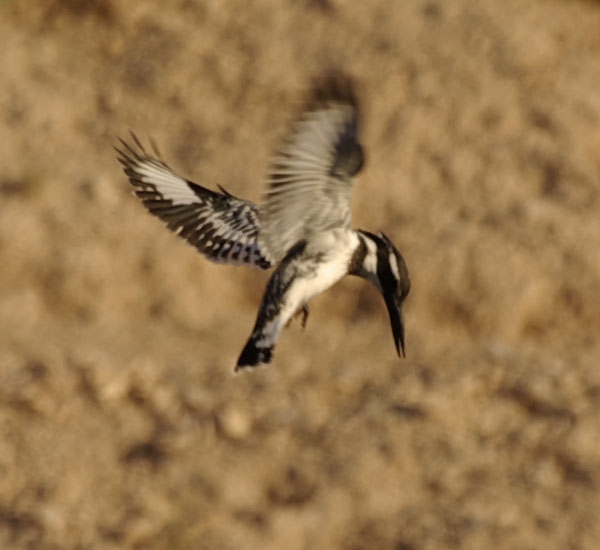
121	422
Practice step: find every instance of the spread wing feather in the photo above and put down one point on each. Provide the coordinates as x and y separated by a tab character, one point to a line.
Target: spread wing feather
222	227
310	178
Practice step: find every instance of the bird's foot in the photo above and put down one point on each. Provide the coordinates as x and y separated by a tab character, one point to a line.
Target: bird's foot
304	311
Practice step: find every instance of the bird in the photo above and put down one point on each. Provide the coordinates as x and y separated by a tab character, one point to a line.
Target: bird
302	228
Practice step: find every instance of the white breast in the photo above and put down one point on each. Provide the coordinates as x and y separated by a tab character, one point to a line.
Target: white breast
336	249
327	257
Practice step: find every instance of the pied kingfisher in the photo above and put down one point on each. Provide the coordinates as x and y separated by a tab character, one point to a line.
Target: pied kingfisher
303	226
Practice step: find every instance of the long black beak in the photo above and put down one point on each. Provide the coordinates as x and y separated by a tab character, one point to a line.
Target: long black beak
397	321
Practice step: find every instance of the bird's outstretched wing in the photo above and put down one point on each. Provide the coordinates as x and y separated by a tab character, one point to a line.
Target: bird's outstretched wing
222	227
310	178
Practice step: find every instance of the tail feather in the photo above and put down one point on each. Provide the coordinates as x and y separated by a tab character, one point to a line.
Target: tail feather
253	355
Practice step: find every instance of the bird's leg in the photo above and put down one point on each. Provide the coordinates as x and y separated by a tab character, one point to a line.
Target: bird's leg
305	313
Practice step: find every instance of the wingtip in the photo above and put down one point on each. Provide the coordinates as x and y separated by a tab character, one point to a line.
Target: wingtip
333	85
133	148
126	151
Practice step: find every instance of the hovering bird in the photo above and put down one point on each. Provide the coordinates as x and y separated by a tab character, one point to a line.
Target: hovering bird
302	227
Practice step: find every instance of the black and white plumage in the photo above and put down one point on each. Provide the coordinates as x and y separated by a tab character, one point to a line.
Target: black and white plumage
311	173
302	227
312	267
222	227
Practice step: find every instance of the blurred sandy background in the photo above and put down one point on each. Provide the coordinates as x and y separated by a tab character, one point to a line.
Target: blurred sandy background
121	422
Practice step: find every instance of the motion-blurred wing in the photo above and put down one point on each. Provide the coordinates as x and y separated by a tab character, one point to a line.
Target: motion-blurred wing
310	180
221	226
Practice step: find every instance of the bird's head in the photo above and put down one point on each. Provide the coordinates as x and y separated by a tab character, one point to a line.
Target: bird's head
385	267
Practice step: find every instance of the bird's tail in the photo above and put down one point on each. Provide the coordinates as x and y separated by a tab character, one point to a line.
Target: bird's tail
254	354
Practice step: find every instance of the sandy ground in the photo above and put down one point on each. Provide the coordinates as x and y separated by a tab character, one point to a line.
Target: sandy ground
122	425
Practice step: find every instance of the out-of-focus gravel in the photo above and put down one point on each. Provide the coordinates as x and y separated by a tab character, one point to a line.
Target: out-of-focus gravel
122	424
